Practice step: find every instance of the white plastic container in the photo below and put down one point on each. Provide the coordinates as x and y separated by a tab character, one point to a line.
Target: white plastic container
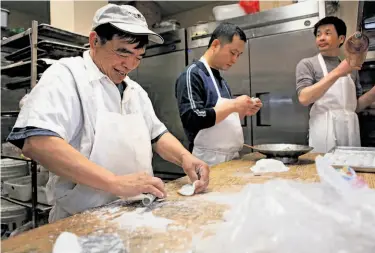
20	188
228	11
4	17
10	169
12	215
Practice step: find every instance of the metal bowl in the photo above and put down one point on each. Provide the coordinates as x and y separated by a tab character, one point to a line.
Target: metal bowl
282	150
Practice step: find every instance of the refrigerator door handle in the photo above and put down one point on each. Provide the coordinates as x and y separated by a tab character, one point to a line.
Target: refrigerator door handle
244	122
263	117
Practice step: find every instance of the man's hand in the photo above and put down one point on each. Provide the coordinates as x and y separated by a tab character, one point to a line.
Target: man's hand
197	170
138	183
243	104
247	106
366	100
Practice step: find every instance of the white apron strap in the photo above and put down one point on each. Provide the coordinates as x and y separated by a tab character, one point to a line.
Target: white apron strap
86	94
211	75
322	64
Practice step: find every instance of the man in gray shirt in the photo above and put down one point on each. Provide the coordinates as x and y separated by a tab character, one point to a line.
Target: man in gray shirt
331	89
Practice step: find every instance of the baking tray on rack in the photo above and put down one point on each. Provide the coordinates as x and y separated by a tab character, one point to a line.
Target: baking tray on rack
23	68
353	153
48	49
20	83
45	32
356	149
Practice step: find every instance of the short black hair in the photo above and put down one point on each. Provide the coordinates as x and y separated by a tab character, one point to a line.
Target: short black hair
106	32
339	25
225	32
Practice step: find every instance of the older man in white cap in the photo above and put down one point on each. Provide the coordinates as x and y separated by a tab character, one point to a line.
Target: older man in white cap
93	127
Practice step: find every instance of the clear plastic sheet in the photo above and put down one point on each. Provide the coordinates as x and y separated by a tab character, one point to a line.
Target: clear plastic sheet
336	215
105	243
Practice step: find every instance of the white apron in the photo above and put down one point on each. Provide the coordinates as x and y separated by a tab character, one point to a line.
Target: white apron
333	120
223	141
122	144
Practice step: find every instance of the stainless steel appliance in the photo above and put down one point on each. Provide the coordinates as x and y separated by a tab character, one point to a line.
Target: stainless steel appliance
157	74
287	153
273	62
367	116
277	40
366	24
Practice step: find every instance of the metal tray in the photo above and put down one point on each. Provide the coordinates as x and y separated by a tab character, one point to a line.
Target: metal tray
351	150
361	149
52	49
24	68
280	150
287	153
45	31
20	83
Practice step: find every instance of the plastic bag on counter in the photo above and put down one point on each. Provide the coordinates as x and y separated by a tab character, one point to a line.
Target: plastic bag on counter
105	243
285	216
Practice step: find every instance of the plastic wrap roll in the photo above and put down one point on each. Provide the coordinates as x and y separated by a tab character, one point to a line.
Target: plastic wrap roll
148	199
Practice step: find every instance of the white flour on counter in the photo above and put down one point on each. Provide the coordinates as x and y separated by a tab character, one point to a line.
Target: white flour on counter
141	218
230	199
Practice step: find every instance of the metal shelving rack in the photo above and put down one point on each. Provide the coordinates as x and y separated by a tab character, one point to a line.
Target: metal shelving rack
39	40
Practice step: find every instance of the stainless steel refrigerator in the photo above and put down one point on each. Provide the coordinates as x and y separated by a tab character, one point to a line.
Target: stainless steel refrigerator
277	40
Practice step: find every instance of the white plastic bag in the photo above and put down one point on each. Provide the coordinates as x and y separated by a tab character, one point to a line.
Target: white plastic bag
286	216
105	243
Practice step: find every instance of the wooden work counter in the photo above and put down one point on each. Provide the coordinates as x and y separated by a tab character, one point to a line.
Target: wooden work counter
193	218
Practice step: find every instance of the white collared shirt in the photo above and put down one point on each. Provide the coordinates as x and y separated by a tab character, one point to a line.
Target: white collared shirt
55	105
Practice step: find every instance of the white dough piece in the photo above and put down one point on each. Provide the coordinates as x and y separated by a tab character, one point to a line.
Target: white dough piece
268	165
254	100
67	243
187	189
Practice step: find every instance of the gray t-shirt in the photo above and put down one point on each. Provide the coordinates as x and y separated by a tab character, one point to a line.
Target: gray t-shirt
309	72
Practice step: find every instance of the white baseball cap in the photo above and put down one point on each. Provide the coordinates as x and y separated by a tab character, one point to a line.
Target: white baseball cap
126	18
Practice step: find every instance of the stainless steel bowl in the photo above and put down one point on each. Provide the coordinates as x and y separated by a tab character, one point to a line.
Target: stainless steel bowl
292	151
